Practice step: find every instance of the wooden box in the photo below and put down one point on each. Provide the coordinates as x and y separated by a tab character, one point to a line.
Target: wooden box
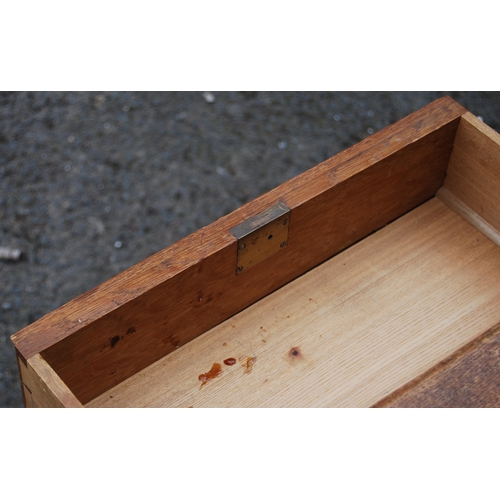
372	279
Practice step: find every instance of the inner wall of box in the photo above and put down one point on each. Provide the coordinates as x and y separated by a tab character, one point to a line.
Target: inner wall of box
347	333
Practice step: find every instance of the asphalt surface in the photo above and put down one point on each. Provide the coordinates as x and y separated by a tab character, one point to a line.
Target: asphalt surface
94	182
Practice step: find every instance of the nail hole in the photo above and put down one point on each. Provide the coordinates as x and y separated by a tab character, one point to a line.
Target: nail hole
270	237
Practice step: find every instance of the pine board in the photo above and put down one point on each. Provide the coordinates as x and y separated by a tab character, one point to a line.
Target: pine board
473	175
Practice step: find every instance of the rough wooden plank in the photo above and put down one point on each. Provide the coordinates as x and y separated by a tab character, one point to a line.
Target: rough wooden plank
474	172
348	332
117	329
42	387
470	378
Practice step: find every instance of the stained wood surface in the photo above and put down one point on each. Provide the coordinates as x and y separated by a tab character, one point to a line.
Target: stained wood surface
110	333
349	332
474	171
42	387
470	378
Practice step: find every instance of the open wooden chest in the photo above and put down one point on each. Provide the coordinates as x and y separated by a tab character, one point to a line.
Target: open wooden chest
372	279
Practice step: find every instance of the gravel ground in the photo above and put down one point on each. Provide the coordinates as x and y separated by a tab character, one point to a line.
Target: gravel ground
94	182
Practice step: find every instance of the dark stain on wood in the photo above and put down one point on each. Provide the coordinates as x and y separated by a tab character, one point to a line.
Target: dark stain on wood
131	330
248	364
206	299
115	340
294	355
229	361
173	341
214	372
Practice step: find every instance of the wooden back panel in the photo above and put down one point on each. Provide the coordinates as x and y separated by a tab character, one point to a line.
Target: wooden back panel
110	333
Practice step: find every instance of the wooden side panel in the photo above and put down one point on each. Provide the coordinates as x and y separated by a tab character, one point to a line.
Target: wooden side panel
474	172
470	378
456	204
122	326
42	387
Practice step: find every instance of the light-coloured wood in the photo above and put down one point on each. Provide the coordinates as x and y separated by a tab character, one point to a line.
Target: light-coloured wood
42	387
473	174
347	333
469	378
456	204
110	333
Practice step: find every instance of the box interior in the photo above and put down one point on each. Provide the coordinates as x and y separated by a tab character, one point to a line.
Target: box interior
391	266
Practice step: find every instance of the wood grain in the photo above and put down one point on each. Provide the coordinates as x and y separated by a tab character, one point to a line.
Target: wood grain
112	332
456	204
42	387
347	333
474	171
469	378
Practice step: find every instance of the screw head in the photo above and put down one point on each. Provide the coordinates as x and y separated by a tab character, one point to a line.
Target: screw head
239	269
242	246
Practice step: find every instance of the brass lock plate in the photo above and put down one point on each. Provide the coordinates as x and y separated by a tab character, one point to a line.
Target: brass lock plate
261	236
